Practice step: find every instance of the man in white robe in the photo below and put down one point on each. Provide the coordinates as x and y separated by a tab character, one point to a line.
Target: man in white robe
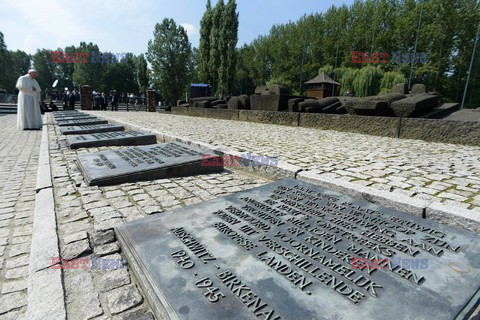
28	110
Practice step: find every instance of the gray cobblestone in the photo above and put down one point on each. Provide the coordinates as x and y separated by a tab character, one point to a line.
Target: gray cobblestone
411	163
123	298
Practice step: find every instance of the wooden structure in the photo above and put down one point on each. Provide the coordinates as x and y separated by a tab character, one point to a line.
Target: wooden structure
321	86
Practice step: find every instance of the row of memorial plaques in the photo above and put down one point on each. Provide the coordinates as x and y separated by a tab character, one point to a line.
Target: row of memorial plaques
146	161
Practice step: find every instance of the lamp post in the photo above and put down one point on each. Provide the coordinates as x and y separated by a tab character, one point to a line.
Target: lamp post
415	49
470	69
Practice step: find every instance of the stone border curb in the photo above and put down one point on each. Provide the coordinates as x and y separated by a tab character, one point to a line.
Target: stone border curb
453	216
46	298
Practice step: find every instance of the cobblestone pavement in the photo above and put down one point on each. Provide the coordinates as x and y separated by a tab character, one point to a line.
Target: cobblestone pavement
18	173
430	171
86	217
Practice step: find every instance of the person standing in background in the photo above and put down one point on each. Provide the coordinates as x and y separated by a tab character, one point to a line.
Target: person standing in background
114	100
71	100
103	102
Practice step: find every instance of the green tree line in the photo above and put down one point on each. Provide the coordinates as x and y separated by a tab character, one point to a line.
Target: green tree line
131	75
293	53
289	54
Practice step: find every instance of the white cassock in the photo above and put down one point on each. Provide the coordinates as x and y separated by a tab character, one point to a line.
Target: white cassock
28	111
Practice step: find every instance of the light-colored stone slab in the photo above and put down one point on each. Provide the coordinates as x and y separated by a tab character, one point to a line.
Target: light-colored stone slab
43	284
454	216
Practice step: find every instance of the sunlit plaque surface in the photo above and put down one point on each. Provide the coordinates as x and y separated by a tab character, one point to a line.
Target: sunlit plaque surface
141	163
119	138
87	129
291	250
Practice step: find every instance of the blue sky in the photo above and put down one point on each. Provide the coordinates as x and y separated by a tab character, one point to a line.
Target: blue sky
127	25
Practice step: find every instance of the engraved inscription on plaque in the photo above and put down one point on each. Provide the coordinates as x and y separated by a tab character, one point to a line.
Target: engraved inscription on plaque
81	122
69	118
292	250
150	162
130	138
70	114
95	128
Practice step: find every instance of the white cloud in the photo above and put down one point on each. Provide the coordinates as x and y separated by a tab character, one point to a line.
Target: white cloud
192	30
49	19
32	43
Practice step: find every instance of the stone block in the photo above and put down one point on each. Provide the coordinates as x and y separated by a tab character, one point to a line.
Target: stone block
293	104
446	131
418	89
281	118
377	126
414	104
273	102
221	114
400	88
367	107
193	101
204	104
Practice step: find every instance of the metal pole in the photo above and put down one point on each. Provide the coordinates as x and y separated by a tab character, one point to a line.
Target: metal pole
303	57
371	48
470	69
336	58
415	49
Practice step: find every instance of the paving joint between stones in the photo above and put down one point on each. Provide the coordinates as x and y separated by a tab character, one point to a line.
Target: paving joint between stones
452	215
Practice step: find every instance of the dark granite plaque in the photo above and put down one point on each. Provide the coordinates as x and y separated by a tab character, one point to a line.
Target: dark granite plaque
166	160
81	122
68	114
291	250
119	138
96	128
82	117
64	112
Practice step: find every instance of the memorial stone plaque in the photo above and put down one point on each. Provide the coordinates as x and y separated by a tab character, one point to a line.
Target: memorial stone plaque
87	129
64	112
120	138
67	114
81	117
81	122
292	250
166	160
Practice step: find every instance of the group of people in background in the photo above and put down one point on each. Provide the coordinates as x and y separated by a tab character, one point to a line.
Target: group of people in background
102	100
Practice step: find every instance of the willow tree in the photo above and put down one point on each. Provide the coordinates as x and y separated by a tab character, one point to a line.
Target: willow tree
390	79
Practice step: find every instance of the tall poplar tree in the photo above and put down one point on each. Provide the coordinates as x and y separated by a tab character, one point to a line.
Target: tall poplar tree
205	72
228	42
142	73
215	43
